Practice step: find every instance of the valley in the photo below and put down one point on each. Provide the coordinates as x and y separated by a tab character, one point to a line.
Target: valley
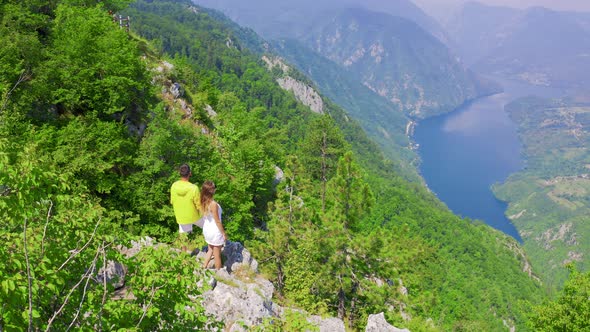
352	146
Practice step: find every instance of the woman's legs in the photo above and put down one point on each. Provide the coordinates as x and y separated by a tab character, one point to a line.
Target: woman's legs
208	256
217	255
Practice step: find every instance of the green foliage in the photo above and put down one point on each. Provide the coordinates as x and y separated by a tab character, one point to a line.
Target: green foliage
350	197
108	78
571	311
88	167
292	321
58	238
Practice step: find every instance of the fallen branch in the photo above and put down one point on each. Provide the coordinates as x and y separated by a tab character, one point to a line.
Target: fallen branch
145	309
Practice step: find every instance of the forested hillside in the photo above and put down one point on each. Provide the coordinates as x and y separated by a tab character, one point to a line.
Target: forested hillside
549	199
93	125
382	121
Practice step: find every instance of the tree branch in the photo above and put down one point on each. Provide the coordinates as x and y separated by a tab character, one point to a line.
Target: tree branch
29	282
87	276
76	251
45	228
145	309
104	284
24	76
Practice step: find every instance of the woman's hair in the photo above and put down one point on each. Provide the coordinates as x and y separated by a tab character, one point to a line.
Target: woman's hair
207	191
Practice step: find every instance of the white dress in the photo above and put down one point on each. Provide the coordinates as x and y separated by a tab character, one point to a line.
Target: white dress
211	233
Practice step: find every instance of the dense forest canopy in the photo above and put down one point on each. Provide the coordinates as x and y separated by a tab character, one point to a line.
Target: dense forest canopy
91	137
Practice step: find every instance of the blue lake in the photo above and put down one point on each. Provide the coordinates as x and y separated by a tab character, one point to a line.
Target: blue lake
468	150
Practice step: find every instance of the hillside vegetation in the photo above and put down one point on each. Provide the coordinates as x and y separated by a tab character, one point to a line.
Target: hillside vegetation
549	199
93	125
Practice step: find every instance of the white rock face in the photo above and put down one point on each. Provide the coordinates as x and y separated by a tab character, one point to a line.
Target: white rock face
304	93
330	324
273	62
235	302
377	323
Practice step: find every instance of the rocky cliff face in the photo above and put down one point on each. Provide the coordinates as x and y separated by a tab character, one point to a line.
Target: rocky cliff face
397	59
304	93
237	296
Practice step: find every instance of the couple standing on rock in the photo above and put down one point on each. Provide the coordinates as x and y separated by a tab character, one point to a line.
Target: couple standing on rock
192	207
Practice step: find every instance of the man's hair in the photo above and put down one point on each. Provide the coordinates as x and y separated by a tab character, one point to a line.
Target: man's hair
185	170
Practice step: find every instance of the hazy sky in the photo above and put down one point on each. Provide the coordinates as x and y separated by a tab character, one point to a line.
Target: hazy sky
578	5
441	9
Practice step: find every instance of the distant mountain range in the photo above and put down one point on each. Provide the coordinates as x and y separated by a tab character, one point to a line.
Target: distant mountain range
397	59
393	48
291	19
536	45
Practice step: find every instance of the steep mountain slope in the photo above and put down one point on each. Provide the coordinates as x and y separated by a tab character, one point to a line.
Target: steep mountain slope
397	59
474	29
419	74
94	124
536	45
380	119
415	245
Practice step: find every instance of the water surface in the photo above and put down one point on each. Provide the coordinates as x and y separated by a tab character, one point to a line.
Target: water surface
466	151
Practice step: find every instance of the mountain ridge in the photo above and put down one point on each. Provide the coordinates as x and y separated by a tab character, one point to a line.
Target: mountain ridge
536	45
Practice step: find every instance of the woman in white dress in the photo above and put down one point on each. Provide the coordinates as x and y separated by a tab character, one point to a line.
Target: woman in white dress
213	230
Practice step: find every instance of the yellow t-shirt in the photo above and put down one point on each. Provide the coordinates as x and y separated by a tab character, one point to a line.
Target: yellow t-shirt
185	199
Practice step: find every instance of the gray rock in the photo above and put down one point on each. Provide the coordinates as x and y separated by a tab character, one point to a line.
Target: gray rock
210	111
114	273
176	90
164	67
330	324
279	175
184	106
237	303
235	256
136	246
401	289
377	323
303	92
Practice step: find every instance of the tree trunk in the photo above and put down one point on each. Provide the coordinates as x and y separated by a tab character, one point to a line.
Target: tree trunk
341	303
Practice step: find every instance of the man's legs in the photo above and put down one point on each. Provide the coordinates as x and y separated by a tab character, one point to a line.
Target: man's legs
183	236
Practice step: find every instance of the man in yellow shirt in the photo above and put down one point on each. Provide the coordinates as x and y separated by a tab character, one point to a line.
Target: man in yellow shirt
185	198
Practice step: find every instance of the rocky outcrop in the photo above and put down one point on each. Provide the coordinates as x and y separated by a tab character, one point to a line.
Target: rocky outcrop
377	323
304	93
113	273
521	256
330	324
235	257
235	295
238	303
272	62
